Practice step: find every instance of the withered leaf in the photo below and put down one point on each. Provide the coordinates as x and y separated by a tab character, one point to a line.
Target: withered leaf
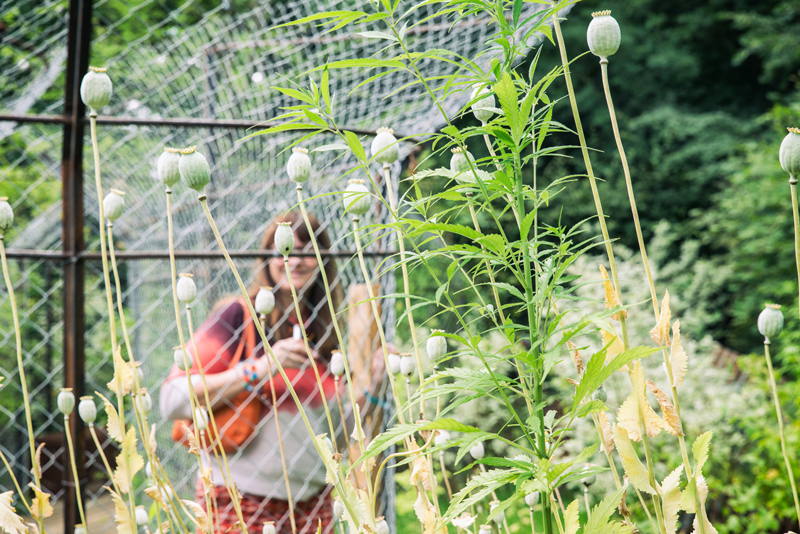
677	356
612	300
672	423
660	332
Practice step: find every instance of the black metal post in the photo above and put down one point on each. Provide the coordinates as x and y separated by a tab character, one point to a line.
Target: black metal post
78	42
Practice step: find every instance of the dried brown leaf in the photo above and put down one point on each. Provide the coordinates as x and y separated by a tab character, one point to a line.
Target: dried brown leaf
40	502
153	445
122	515
122	383
571	381
114	426
576	357
660	332
36	468
612	300
154	493
10	522
426	513
672	423
129	462
608	435
201	518
677	356
616	347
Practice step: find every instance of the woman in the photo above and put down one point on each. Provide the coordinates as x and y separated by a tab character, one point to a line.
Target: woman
234	363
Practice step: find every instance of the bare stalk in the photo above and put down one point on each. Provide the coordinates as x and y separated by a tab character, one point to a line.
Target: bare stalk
796	218
74	471
779	413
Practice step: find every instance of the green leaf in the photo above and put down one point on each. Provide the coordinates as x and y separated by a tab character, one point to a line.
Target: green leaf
348	15
495	243
326	90
700	452
507	95
590	407
571	516
363	64
596	373
334	146
377	35
602	512
355	145
517	11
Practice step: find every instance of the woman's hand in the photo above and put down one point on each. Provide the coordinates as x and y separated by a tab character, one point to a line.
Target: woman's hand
290	352
377	367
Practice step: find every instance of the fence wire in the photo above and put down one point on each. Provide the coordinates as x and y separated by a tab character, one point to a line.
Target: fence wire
193	59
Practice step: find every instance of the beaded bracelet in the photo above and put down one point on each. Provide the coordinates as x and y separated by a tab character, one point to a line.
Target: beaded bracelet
372	399
250	376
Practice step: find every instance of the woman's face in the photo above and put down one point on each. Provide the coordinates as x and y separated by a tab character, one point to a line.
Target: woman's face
303	268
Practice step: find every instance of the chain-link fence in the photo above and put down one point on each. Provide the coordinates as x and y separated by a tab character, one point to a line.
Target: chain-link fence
184	72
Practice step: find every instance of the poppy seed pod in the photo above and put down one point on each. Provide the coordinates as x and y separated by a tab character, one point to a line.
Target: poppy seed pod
87	410
113	204
384	147
194	169
142	518
477	451
770	322
265	301
337	363
600	394
96	88
166	493
532	499
299	165
144	402
356	197
79	529
603	34
268	528
442	437
168	166
186	288
381	526
480	108
436	346
201	418
459	165
588	480
180	361
407	364
485	529
338	509
499	518
394	363
284	238
66	401
6	215
789	154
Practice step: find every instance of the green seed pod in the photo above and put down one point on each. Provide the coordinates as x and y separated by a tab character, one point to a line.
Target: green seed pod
485	529
459	164
384	147
480	107
337	363
269	527
113	204
201	418
96	88
356	197
194	169
87	410
6	215
381	526
299	165
180	361
498	519
79	529
532	499
600	394
338	509
284	238
589	479
790	153
168	166
265	301
770	322
477	451
407	364
144	402
395	361
603	34
66	401
186	288
442	437
142	517
436	346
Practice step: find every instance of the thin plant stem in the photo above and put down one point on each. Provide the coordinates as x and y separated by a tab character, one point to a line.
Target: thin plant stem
586	501
779	414
509	197
71	449
387	178
341	414
16	484
376	314
204	203
21	367
646	263
408	397
796	219
444	476
103	457
207	493
494	496
533	523
301	322
551	498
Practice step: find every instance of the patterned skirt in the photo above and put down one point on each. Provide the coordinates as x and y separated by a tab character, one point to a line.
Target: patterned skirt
257	510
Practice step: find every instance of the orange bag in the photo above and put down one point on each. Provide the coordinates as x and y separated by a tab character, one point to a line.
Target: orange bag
237	418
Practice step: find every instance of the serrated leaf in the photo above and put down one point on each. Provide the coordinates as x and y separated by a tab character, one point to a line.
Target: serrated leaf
614	343
660	332
672	423
671	499
200	516
576	357
10	522
636	472
677	356
40	504
377	35
355	145
122	382
709	528
629	416
608	436
601	513
611	298
122	516
596	373
129	462
571	516
700	452
114	425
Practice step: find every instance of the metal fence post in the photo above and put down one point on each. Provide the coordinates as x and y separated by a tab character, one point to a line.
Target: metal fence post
78	42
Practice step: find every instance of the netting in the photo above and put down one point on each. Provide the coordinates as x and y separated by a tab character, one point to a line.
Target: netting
182	60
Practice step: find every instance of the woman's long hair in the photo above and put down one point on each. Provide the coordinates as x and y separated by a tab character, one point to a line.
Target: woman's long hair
322	325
